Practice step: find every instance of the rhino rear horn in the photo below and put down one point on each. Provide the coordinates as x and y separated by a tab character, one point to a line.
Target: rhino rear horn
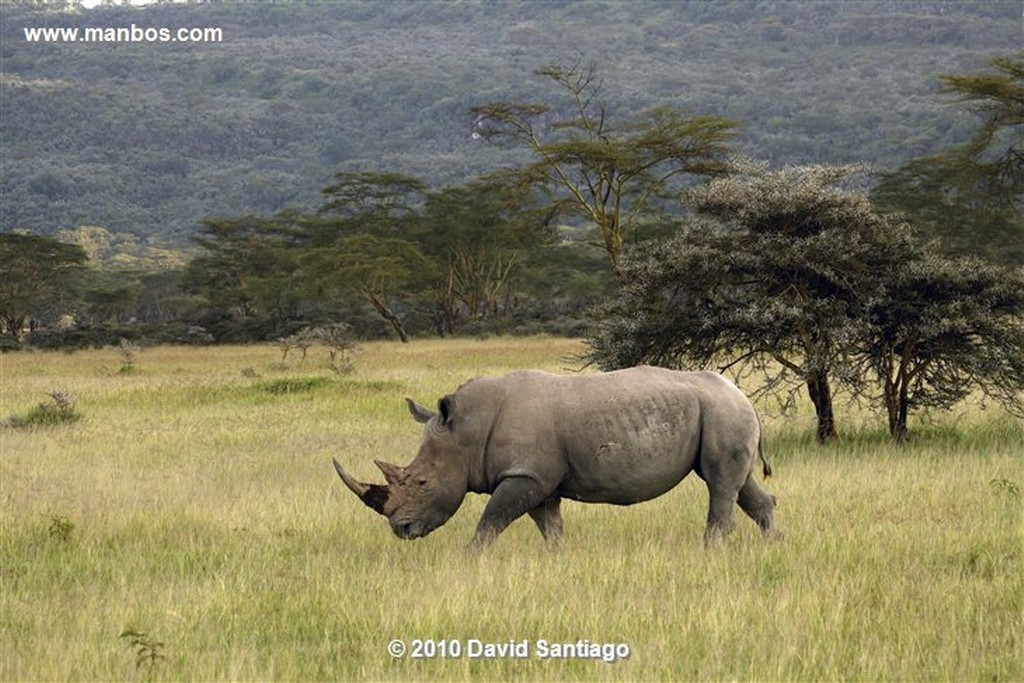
373	495
392	473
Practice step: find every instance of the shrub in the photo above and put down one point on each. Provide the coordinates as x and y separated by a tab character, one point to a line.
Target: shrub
60	410
61	528
128	351
337	338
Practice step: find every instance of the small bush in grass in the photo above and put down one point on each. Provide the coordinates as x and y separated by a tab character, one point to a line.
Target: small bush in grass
60	410
335	337
300	341
340	344
128	351
292	385
61	528
1007	486
146	648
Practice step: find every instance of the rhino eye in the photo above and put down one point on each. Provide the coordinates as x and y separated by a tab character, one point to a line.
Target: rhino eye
421	482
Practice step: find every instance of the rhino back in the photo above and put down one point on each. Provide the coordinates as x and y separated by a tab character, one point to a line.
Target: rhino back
618	437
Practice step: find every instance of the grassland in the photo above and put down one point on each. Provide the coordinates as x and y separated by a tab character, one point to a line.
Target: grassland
195	503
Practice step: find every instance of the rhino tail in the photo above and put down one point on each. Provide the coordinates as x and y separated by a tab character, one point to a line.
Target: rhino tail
766	467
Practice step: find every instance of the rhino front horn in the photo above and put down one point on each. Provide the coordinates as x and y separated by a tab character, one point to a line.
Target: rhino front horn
373	495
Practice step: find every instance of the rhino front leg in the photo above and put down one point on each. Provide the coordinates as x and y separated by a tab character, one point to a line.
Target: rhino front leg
512	498
548	517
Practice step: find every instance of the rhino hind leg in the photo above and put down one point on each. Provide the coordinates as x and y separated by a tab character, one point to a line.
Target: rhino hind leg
759	506
721	515
548	518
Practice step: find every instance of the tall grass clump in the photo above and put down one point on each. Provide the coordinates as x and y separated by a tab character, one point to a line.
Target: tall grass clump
60	409
61	528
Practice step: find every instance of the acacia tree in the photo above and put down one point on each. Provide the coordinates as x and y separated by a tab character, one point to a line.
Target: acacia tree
480	235
37	272
246	273
606	175
362	240
937	329
378	197
774	282
994	156
972	194
384	271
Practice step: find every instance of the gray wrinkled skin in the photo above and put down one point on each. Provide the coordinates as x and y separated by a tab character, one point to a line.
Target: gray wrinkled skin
531	438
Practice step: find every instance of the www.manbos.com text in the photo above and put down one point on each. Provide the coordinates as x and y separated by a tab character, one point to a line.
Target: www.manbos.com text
122	34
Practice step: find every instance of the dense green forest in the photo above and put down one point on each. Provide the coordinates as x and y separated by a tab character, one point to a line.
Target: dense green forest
151	138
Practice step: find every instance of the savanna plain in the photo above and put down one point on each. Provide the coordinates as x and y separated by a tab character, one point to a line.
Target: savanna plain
190	526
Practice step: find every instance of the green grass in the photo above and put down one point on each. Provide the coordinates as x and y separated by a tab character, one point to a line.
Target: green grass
194	503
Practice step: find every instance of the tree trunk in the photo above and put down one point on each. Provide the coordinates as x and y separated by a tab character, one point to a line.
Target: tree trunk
396	323
897	395
12	324
898	427
891	407
447	313
821	396
900	432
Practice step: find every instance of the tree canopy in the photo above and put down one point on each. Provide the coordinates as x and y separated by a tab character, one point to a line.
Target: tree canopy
805	281
971	195
773	282
381	244
40	276
937	329
608	175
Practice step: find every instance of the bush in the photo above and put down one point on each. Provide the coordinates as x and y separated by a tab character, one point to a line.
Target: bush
335	337
60	410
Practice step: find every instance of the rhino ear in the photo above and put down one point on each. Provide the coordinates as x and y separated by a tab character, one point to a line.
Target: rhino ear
446	406
392	473
419	413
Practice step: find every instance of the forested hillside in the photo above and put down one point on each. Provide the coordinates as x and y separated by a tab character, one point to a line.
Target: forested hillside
150	138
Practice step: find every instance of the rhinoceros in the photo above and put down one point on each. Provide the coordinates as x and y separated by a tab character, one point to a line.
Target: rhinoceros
530	439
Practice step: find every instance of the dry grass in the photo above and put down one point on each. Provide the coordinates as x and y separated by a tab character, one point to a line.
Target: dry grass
204	512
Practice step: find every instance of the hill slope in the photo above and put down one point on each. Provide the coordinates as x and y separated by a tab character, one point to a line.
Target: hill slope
151	137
